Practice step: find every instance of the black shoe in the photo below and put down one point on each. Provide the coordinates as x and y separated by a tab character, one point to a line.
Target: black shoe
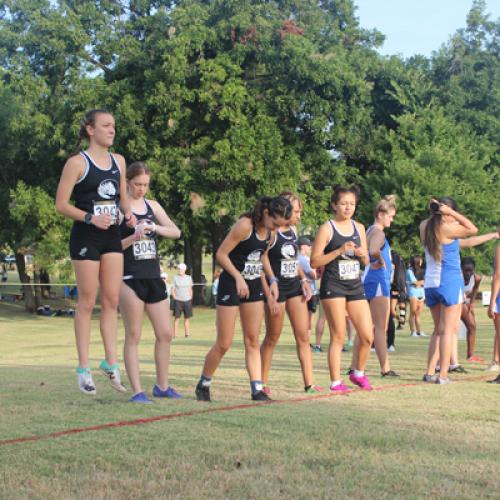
457	369
495	380
390	373
260	396
203	393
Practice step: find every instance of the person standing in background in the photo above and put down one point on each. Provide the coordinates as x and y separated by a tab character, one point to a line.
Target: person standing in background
182	294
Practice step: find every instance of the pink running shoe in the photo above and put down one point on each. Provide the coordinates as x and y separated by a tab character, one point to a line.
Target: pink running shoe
362	381
340	388
266	390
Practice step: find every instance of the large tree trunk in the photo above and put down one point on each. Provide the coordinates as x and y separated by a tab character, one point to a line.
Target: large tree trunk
29	298
193	253
218	231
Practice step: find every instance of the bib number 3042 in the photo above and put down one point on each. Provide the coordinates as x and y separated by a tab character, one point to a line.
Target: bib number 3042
348	269
106	207
144	249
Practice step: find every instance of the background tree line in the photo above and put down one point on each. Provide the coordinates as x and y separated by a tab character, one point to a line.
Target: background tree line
227	100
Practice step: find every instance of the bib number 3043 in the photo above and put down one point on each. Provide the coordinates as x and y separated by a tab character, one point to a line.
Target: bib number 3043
252	270
144	249
348	269
106	207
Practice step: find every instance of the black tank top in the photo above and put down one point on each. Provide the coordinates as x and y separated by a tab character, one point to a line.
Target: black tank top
283	256
140	260
98	191
344	271
246	255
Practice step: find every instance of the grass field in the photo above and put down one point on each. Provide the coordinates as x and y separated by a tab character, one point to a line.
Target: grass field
407	440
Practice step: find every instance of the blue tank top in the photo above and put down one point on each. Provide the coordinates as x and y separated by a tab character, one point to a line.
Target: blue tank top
447	270
380	274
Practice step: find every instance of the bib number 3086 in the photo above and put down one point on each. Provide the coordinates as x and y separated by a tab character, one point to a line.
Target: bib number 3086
348	269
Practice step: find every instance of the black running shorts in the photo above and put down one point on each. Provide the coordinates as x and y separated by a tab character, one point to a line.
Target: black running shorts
228	296
89	243
150	290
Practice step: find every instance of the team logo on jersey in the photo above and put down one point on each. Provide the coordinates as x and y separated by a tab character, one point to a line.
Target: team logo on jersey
254	256
288	251
108	189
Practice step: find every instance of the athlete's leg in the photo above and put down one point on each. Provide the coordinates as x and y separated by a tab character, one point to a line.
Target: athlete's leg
449	319
132	311
186	326
110	279
413	314
433	351
160	319
320	327
418	313
274	325
176	325
334	311
297	311
87	280
225	323
380	309
469	320
359	314
251	314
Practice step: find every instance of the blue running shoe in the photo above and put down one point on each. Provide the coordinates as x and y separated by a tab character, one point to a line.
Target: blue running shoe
140	398
170	392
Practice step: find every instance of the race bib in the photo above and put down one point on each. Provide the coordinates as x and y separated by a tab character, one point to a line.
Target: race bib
252	270
106	207
144	249
289	268
348	269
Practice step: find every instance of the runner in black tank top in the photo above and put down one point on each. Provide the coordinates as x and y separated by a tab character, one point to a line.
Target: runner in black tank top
97	182
281	265
340	246
240	290
143	289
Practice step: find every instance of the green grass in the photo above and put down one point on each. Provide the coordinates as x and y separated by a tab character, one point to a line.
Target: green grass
408	441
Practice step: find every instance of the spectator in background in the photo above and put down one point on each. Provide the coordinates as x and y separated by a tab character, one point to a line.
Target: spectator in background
415	285
182	295
398	298
304	258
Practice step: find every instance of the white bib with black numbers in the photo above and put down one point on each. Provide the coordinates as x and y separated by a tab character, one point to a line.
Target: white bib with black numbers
144	249
289	268
252	270
348	269
106	207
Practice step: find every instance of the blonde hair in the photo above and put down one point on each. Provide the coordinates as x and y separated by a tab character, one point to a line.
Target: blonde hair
388	202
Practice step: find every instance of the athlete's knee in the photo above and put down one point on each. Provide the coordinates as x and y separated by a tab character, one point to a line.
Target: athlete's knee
251	342
271	339
133	336
86	303
222	346
110	301
164	335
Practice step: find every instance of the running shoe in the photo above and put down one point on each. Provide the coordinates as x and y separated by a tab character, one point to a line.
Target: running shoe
414	334
390	373
266	389
495	380
457	369
372	349
316	348
85	382
391	348
113	374
314	389
140	398
202	393
361	381
260	396
340	388
429	378
422	334
443	381
475	359
345	348
349	371
493	367
169	392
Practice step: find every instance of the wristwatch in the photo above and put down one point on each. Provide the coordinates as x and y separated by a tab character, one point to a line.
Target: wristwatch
88	218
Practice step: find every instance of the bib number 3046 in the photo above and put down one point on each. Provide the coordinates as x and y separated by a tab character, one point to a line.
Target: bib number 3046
348	269
144	249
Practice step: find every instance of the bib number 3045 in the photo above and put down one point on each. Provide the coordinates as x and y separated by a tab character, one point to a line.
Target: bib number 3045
348	269
106	207
144	249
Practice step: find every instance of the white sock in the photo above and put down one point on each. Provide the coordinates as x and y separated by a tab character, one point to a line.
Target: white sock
335	383
358	373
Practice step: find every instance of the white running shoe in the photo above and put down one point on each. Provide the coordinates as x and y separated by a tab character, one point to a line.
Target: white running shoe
422	334
493	367
113	374
414	334
85	382
391	349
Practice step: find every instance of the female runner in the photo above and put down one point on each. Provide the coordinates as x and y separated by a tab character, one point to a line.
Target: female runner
415	285
143	288
443	281
281	266
377	279
96	179
494	307
241	290
340	246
